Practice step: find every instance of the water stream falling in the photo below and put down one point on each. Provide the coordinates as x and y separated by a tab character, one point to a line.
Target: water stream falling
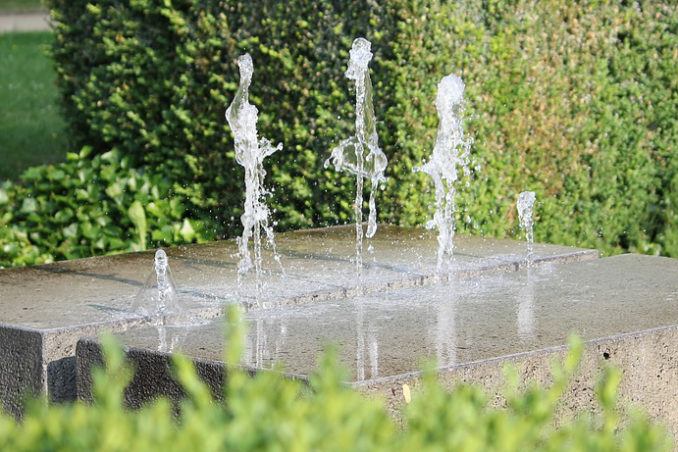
451	151
526	317
250	152
176	337
360	154
526	201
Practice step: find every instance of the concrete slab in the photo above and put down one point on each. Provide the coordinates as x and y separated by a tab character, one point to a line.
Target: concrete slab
626	305
45	309
319	264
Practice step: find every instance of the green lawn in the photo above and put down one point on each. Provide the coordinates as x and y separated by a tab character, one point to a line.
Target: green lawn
31	128
20	5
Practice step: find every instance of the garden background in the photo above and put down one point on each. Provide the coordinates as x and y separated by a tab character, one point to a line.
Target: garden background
573	100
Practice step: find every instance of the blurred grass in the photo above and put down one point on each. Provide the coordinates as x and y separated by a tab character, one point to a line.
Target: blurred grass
32	131
20	5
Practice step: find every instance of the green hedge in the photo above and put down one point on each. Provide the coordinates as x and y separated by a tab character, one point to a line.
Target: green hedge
575	101
268	412
572	100
88	206
154	79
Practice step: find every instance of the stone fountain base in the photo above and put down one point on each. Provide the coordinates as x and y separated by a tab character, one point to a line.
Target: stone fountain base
44	310
625	307
488	307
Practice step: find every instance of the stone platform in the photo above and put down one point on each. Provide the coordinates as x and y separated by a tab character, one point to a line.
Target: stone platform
45	309
626	307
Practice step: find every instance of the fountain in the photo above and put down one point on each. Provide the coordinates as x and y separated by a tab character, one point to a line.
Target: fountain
250	153
487	310
525	205
350	156
158	291
470	326
451	150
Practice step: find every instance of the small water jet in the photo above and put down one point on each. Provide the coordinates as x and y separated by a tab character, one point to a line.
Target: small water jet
350	154
525	205
451	150
159	290
250	152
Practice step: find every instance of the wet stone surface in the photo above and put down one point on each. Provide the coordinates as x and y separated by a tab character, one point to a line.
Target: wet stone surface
46	309
457	322
317	264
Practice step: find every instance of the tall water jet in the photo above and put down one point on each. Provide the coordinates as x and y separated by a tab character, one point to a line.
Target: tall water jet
367	346
360	154
445	334
159	290
250	152
526	201
451	150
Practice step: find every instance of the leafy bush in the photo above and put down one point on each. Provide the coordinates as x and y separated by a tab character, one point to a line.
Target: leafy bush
571	100
88	206
268	412
575	101
154	79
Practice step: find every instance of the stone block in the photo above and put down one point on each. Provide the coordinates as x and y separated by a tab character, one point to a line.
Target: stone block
626	307
45	309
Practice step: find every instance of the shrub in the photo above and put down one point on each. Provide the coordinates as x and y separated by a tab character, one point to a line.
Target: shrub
154	80
87	206
570	100
268	412
575	101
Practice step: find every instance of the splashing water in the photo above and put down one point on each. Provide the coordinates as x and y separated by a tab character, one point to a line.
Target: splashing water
250	152
526	201
159	289
166	290
451	150
350	154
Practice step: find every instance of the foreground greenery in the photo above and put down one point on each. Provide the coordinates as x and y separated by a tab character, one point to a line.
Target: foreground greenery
270	413
32	131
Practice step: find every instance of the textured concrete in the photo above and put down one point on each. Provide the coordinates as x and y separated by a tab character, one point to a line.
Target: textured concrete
647	360
627	306
153	374
45	309
318	264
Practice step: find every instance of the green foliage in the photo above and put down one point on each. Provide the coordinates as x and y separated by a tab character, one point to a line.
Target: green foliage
575	101
154	78
268	412
88	206
571	100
